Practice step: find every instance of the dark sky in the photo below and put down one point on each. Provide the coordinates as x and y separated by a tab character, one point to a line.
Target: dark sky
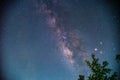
50	39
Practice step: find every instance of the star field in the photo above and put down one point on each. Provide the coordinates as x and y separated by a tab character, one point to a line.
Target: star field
51	39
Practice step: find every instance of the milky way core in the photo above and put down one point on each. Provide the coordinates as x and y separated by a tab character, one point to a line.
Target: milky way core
68	39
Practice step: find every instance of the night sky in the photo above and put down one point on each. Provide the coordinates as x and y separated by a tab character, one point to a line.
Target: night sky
51	39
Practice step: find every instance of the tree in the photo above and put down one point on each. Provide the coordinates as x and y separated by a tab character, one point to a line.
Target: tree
118	61
99	71
81	77
118	58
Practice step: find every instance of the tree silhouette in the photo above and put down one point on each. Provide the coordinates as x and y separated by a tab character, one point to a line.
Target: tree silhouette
99	71
118	61
118	58
81	77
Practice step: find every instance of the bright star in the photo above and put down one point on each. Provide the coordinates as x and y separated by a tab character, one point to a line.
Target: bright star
96	49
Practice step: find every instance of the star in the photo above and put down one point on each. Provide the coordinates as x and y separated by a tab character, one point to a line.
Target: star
101	43
101	52
95	49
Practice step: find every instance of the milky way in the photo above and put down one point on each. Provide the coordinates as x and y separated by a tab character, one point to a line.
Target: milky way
68	39
50	39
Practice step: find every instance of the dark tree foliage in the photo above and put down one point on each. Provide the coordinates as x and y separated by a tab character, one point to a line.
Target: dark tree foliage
99	71
118	58
118	61
81	77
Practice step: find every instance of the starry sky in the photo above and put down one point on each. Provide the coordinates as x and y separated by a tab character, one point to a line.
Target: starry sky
51	39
